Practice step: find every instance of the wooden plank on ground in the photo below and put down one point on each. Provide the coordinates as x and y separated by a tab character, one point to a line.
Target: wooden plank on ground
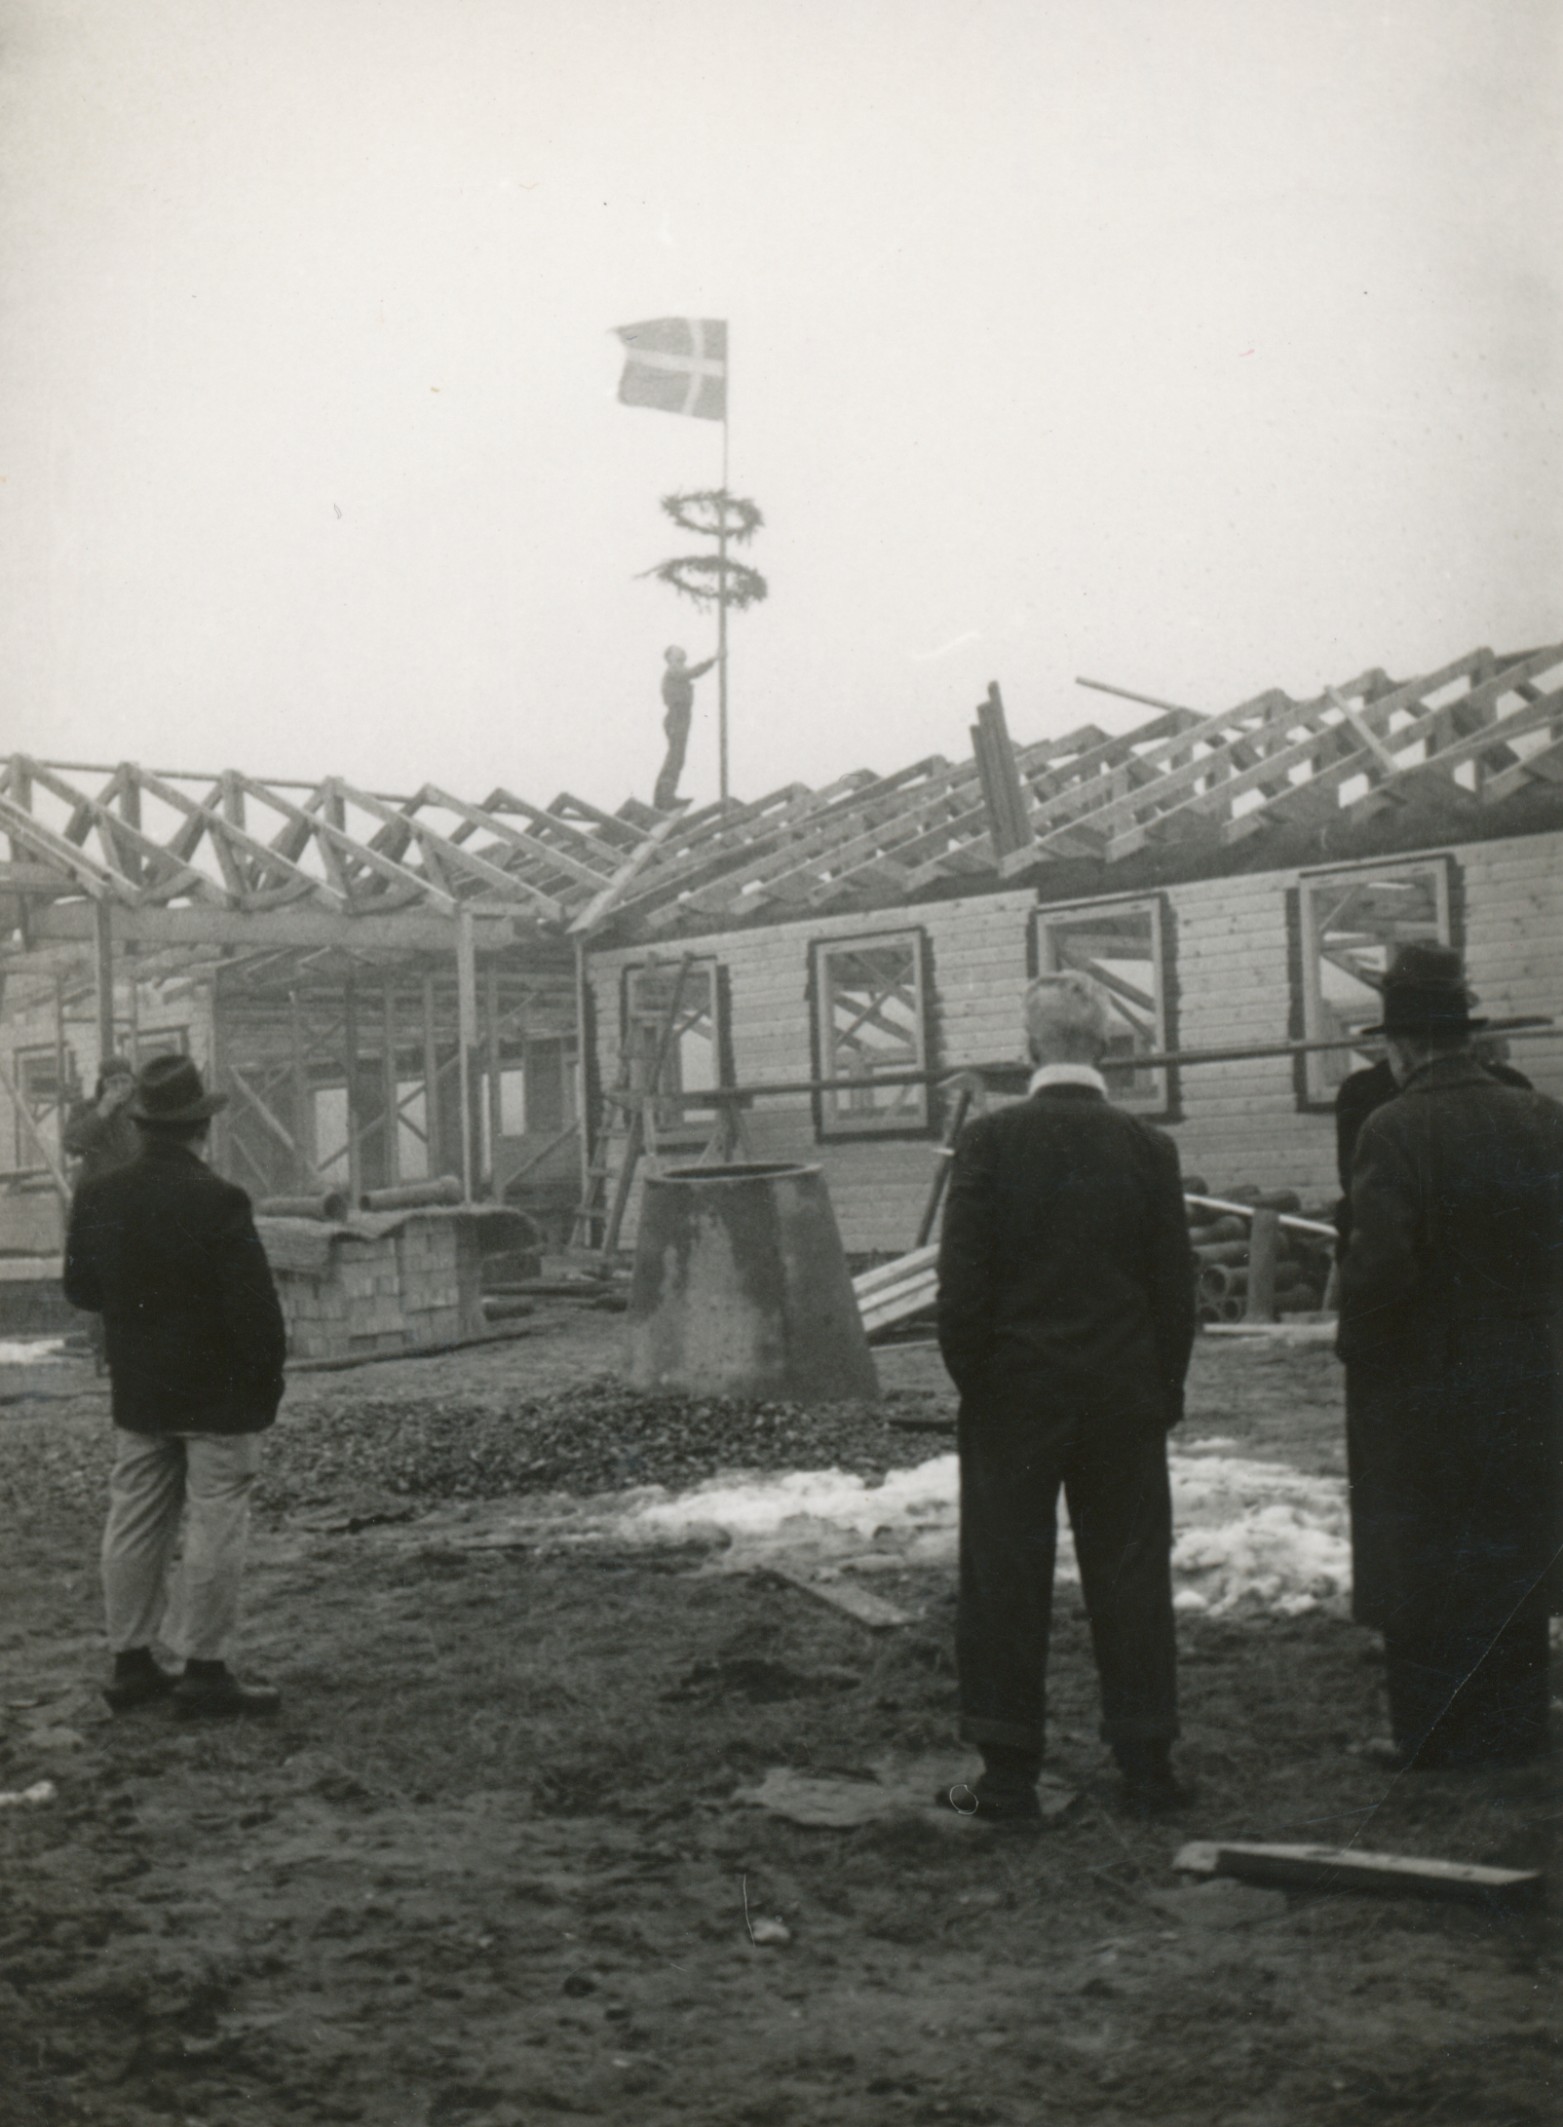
861	1603
1339	1868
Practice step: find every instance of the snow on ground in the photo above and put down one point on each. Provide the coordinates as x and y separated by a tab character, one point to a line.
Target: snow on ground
1248	1535
30	1351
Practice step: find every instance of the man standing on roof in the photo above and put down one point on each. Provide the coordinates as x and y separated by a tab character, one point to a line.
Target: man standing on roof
1066	1320
1451	1327
168	1254
678	698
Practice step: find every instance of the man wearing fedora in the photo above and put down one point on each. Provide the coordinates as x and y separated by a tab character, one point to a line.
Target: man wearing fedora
168	1254
1362	1091
1451	1327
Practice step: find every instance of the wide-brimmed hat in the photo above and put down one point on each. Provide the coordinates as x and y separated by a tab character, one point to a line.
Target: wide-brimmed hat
169	1090
1425	992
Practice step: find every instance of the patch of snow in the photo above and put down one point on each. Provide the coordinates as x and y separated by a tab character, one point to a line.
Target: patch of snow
31	1351
1248	1535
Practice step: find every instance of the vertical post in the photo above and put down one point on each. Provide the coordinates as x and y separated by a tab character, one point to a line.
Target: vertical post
586	1121
393	1127
355	1158
133	999
491	1046
217	1055
466	1038
130	813
103	971
60	1055
721	595
1264	1240
432	1145
303	1105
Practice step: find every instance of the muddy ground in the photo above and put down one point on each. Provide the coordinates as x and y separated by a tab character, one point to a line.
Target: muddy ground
488	1865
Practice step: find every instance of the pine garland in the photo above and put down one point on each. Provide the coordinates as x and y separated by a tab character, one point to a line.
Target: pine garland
710	510
700	576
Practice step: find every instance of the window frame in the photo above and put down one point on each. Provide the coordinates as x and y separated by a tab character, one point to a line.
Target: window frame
54	1108
835	1128
1316	1095
1160	1102
673	1125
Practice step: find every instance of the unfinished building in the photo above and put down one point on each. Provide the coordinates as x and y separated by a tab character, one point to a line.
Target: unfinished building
399	986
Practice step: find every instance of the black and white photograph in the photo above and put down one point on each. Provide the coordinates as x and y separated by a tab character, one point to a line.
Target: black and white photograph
781	1063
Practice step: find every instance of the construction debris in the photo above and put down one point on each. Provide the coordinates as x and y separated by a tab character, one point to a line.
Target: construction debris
1338	1868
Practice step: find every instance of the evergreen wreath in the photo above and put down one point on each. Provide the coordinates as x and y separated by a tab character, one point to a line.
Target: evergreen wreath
711	510
700	576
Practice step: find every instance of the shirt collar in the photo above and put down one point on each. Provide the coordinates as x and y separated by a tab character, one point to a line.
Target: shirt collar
1066	1074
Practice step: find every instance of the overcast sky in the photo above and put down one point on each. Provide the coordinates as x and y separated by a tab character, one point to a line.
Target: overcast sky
1196	345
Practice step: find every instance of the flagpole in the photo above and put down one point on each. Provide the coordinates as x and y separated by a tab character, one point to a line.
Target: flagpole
721	591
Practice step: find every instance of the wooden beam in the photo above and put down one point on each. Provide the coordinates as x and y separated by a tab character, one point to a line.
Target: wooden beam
388	1083
1347	1868
491	1046
431	1080
355	1168
303	1092
466	1036
437	848
103	972
302	929
276	1126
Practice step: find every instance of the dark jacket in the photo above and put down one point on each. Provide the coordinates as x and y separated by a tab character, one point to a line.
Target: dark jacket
167	1252
1451	1295
1066	1279
1356	1098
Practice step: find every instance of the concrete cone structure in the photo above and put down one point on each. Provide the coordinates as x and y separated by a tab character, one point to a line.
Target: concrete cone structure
740	1288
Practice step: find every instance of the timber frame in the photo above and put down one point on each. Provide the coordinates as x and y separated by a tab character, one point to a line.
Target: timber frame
402	948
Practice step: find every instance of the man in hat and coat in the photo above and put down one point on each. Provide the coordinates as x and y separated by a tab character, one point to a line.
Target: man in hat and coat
1362	1091
1066	1320
168	1254
1451	1327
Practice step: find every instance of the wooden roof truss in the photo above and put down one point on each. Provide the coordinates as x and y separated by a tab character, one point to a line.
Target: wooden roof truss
1473	734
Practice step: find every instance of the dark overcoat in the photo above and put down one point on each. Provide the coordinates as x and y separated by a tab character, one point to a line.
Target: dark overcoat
167	1252
1066	1279
1451	1328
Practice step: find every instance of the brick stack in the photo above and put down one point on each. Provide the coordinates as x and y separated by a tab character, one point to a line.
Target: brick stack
376	1284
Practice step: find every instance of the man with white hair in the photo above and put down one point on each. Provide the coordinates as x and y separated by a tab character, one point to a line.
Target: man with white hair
1066	1320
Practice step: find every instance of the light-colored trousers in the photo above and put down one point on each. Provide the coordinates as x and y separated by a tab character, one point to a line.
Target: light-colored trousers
206	1478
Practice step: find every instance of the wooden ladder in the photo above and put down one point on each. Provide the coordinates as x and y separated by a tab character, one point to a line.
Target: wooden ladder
630	1125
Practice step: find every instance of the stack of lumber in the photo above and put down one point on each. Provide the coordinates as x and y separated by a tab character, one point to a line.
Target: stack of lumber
897	1292
1219	1231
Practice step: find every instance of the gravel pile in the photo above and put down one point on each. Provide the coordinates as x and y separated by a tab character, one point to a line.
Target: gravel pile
596	1436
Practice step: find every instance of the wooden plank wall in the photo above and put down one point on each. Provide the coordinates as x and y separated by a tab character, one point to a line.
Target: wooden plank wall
1239	1122
878	1185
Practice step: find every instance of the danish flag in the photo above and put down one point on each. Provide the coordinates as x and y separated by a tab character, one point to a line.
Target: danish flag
676	364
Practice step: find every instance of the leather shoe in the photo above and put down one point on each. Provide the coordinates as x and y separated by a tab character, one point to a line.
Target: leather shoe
138	1686
1150	1787
1161	1796
221	1697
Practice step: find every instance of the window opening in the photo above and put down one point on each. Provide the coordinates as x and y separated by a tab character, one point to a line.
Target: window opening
1351	924
1122	947
872	1021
